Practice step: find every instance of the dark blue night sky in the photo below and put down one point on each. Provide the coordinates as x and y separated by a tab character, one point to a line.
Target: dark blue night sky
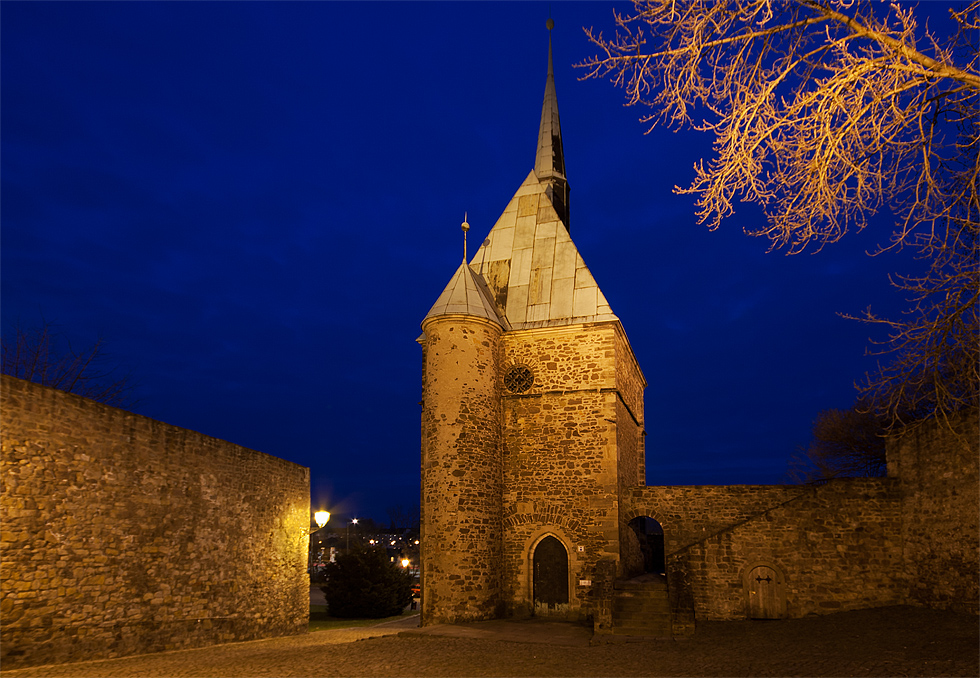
255	204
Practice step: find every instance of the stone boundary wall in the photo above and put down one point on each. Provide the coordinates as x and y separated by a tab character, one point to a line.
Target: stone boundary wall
837	546
939	472
124	535
690	513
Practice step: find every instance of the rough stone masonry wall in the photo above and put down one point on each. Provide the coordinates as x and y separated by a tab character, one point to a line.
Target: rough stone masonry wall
630	435
629	440
837	545
461	471
691	513
560	457
939	472
123	535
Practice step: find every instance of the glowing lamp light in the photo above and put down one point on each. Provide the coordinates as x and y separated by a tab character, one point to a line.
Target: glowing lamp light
321	518
405	562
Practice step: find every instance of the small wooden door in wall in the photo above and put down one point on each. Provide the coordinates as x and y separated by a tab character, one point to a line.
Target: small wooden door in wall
550	574
765	593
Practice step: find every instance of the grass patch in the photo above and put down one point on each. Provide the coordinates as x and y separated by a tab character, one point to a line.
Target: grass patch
320	620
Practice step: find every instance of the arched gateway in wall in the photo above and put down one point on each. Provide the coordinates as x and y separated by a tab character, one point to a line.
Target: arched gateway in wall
649	537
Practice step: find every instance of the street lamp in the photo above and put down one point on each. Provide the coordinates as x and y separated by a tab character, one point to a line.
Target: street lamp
352	522
321	518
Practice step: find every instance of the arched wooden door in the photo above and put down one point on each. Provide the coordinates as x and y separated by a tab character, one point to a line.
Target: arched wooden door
550	575
764	593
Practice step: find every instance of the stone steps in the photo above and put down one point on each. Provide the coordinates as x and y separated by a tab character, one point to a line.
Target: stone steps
640	607
646	631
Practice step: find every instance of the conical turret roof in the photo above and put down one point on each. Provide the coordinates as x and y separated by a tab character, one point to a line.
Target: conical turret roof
466	294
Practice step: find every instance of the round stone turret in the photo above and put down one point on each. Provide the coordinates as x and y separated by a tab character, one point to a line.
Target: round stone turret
462	473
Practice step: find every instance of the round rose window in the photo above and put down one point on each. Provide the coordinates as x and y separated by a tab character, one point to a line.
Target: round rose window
518	379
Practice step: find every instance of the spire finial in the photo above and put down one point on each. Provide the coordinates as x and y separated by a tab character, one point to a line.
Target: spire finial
550	24
465	226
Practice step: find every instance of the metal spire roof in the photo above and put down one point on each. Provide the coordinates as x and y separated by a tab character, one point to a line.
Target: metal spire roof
549	164
533	271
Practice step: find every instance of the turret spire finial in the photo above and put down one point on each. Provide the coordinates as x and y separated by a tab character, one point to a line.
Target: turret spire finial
465	226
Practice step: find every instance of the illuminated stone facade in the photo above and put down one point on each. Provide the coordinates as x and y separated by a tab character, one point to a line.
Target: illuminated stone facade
571	443
503	469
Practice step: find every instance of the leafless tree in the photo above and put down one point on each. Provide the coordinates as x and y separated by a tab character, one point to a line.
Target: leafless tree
400	517
825	113
46	356
846	444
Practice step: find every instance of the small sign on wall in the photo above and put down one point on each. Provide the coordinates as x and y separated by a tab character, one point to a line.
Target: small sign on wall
585	582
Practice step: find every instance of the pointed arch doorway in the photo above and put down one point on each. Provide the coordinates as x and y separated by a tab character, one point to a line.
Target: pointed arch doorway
650	536
550	578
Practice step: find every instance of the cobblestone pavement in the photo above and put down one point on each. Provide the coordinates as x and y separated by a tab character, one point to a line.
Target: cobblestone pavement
897	641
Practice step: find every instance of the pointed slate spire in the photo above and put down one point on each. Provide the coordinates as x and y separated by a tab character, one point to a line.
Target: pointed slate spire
549	165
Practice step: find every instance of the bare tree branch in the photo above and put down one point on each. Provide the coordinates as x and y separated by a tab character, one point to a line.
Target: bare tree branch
846	444
46	357
825	113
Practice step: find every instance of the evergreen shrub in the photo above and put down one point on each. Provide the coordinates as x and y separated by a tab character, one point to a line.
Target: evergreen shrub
364	583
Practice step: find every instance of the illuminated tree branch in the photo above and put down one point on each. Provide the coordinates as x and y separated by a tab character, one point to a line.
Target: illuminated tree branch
824	113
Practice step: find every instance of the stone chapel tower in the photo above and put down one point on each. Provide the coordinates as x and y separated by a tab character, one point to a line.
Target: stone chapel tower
532	416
